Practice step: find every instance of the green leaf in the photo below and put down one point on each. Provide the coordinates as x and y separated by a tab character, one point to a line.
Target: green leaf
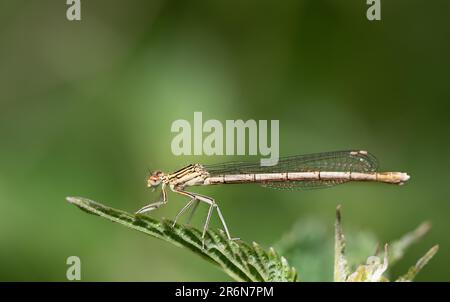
309	248
242	261
341	270
414	270
373	270
399	247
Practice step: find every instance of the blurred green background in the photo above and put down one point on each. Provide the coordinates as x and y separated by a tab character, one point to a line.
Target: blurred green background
86	108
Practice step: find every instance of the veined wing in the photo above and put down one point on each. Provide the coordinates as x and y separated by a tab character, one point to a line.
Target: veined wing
337	161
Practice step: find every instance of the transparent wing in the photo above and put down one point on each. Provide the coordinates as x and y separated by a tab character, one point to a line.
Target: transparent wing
338	161
302	185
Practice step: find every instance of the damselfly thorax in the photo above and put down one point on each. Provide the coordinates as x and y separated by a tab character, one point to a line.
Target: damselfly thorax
302	172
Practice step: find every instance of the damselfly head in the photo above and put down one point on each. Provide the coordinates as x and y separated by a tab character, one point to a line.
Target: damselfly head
155	179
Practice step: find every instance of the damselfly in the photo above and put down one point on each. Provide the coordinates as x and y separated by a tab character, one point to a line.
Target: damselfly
310	171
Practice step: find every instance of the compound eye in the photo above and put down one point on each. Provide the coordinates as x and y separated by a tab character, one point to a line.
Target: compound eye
154	179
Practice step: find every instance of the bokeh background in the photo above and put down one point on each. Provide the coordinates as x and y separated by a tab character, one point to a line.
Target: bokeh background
86	107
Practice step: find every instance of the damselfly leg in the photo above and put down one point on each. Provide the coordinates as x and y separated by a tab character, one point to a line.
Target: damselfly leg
187	206
191	214
212	205
182	211
155	205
